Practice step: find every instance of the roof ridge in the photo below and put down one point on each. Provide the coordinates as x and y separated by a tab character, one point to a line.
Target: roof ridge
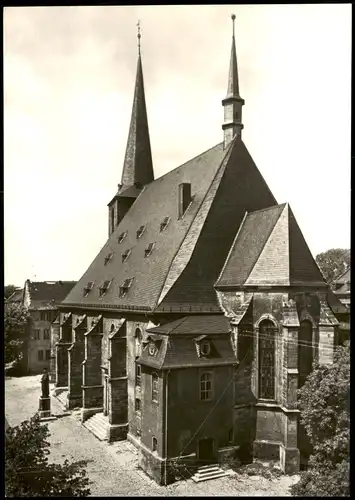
267	208
188	161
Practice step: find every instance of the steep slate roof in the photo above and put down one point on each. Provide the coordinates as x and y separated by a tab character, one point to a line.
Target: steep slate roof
194	325
48	293
269	249
189	254
342	283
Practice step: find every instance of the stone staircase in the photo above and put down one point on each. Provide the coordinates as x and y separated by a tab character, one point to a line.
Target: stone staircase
62	397
98	425
208	472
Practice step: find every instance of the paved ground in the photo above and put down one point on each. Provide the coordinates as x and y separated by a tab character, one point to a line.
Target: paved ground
113	468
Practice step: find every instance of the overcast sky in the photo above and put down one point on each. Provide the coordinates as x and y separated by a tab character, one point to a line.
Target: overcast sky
68	81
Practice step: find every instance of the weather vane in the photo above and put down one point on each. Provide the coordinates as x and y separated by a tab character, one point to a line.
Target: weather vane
233	19
139	36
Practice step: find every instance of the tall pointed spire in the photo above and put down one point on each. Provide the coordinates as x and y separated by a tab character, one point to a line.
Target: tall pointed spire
138	165
233	102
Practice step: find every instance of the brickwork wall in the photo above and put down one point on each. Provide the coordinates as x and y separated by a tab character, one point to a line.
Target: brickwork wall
62	364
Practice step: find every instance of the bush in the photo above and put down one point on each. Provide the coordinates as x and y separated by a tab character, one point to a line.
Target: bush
324	401
27	471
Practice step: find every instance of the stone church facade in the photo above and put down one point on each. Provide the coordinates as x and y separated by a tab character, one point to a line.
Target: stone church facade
192	329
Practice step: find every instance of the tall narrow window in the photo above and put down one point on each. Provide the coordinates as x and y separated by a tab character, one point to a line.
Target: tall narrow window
267	333
154	444
155	380
36	334
138	373
48	355
206	386
46	334
40	355
138	405
112	218
305	351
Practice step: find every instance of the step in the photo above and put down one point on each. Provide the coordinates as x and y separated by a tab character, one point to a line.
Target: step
207	477
207	466
207	471
98	433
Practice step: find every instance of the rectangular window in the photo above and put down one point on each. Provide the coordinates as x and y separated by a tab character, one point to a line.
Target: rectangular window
40	355
46	334
155	380
36	334
138	374
43	316
206	386
138	405
48	355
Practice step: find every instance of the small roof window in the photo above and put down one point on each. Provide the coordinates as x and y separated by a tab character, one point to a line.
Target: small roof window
125	286
140	231
104	287
122	237
126	254
164	224
108	258
87	289
148	250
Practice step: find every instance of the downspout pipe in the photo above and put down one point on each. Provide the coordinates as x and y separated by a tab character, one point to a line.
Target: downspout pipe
166	426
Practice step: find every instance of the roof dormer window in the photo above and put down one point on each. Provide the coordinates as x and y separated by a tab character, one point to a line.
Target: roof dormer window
104	287
149	249
125	254
125	286
122	237
108	258
164	224
88	288
140	231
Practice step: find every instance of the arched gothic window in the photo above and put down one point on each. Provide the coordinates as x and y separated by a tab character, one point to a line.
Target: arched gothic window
267	334
305	351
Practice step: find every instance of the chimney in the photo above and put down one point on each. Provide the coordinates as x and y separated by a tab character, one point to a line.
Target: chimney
184	197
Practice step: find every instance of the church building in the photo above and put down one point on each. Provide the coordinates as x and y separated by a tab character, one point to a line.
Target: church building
194	326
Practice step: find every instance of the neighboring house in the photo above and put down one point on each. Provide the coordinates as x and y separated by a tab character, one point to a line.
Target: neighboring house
42	299
193	327
342	288
16	297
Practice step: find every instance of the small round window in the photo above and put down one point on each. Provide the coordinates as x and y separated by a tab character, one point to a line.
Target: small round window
205	348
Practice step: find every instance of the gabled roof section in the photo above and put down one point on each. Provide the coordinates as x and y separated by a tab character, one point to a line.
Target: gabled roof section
195	325
138	164
270	250
250	240
48	293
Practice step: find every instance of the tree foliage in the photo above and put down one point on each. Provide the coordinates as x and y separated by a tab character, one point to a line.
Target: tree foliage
333	263
27	471
15	320
324	401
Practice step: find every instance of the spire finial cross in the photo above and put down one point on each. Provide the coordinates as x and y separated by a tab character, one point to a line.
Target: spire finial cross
233	19
139	36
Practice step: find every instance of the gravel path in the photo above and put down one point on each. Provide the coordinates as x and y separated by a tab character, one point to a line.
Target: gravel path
113	469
